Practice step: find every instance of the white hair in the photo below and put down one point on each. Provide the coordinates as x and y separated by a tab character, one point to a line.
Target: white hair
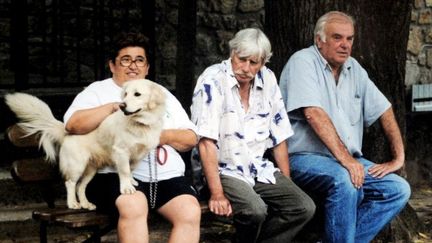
328	18
251	42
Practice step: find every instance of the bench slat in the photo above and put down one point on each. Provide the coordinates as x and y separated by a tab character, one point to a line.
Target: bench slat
85	219
49	214
72	218
17	137
34	170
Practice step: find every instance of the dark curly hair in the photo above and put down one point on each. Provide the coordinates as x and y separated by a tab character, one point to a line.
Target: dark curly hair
130	39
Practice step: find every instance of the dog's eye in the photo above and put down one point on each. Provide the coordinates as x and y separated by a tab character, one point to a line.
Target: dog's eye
137	94
124	94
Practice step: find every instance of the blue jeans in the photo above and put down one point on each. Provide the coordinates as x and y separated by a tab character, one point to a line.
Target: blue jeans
350	214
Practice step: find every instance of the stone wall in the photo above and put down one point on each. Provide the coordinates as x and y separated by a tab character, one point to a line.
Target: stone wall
217	22
419	50
419	71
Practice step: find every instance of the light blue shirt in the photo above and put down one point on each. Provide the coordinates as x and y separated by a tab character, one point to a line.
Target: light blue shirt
242	136
352	103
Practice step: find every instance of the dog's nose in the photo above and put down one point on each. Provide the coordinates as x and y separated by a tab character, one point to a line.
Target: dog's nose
122	106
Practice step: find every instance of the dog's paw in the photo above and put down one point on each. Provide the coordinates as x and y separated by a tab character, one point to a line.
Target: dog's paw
134	182
127	189
74	205
88	205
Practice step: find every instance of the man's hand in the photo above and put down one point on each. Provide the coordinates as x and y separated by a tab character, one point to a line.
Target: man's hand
380	170
220	205
392	132
356	170
325	130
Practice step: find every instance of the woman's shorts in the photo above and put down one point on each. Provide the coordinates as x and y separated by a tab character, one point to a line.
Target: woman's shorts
104	189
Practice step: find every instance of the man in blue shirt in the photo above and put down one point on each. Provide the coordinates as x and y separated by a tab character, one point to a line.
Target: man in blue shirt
330	98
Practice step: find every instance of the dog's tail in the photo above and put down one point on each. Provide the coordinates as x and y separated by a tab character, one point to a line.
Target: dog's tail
36	117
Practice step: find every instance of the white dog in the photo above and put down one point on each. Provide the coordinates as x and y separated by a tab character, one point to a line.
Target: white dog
124	137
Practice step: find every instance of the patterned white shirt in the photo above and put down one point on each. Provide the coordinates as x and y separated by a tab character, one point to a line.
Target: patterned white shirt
242	137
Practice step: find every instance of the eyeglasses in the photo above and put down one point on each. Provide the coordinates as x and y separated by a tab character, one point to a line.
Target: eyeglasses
126	61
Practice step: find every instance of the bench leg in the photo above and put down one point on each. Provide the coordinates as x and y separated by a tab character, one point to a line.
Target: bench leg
43	232
98	232
95	236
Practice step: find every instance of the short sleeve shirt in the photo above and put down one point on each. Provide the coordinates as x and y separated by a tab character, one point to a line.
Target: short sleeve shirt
351	104
242	137
107	91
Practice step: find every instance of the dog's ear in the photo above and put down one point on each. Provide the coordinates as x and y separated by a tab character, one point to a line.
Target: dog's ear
157	97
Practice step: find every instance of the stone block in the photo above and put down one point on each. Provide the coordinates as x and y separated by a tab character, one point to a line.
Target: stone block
204	44
419	4
429	58
229	21
428	35
223	6
223	38
247	6
425	17
415	40
411	74
425	76
209	20
414	16
422	59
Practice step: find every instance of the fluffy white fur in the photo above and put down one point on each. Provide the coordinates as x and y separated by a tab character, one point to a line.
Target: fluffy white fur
121	140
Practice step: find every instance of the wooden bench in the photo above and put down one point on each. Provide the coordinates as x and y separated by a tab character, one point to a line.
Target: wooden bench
31	169
35	170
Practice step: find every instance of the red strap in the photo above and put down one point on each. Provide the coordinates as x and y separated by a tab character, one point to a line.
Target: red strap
165	155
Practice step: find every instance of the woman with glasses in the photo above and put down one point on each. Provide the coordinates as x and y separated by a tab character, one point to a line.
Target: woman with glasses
160	176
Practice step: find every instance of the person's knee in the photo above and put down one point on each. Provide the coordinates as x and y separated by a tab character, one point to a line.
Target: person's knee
182	211
253	215
193	215
132	206
403	190
342	186
303	212
309	209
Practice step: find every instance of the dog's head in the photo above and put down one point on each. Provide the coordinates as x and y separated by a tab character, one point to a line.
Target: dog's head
143	100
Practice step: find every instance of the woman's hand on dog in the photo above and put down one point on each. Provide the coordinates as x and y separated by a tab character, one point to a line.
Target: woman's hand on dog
86	120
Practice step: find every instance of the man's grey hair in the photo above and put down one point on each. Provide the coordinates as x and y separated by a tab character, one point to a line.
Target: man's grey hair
327	18
251	42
